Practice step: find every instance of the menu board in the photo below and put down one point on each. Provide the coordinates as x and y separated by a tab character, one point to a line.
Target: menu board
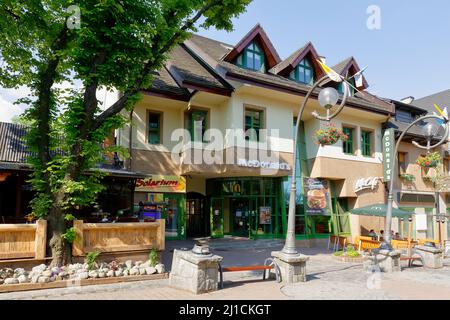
317	196
265	215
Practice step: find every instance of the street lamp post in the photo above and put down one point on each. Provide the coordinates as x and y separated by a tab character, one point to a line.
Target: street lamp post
328	98
430	130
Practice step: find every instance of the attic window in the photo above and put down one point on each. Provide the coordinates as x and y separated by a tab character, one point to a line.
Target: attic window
351	87
404	116
303	73
252	58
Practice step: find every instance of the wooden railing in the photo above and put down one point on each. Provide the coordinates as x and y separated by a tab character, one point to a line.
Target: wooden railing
118	237
20	241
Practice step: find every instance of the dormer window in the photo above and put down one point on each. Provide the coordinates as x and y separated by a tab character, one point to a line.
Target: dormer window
252	58
351	87
404	116
303	73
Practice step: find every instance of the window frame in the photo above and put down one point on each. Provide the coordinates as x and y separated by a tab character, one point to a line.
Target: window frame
262	112
189	123
251	48
304	64
364	144
160	115
350	139
402	166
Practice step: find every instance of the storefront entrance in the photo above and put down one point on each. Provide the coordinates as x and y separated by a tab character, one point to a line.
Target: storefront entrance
245	207
197	218
242	212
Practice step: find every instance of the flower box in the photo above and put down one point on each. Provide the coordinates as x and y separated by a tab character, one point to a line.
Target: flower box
408	177
330	136
429	161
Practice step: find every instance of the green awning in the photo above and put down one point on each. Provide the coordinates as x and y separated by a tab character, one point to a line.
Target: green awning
379	210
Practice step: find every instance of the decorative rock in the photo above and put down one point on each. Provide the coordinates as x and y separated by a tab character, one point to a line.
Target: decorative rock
56	270
19	271
138	263
63	275
93	274
129	264
118	272
35	279
22	279
126	273
43	279
82	275
102	275
110	274
145	265
82	271
11	281
160	268
53	278
39	268
47	273
134	271
150	270
142	271
1	281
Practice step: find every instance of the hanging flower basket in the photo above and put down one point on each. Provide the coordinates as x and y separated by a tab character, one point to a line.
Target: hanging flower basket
330	136
429	161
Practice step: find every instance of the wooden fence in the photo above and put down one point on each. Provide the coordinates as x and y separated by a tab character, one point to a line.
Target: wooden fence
118	237
20	241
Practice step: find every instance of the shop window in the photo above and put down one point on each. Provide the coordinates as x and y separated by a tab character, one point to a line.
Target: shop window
254	120
252	58
402	163
196	124
349	145
154	128
366	143
420	198
430	223
303	73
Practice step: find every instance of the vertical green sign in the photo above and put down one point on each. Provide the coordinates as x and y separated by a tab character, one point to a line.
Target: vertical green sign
388	153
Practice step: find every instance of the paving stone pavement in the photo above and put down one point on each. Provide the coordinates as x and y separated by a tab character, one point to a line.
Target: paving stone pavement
327	278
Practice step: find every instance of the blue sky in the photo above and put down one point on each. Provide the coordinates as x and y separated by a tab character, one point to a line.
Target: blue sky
409	55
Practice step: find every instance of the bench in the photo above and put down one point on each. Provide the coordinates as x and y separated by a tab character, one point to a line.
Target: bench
411	260
269	264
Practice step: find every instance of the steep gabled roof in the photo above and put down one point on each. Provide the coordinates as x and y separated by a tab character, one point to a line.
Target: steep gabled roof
350	66
257	33
285	67
13	147
442	99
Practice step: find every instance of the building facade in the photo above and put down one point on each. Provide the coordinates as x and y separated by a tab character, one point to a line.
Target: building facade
214	136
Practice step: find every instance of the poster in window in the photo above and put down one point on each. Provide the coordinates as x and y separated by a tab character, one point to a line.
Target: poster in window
317	197
265	215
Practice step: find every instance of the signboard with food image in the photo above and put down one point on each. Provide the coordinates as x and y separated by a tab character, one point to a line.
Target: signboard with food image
317	196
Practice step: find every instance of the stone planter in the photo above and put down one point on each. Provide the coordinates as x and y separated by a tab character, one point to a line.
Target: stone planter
431	257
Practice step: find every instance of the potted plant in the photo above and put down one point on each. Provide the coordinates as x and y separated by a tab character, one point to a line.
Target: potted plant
408	177
329	136
431	160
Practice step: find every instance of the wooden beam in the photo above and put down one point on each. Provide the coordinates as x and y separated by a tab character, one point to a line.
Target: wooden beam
40	240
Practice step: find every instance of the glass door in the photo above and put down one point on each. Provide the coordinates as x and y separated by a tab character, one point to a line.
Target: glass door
240	217
174	216
217	218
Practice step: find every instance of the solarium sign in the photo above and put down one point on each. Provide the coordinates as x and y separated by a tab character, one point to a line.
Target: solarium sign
388	153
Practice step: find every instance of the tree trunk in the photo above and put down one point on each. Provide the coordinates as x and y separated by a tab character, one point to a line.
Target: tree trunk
60	250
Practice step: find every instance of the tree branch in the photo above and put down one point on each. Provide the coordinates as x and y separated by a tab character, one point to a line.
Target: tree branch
150	66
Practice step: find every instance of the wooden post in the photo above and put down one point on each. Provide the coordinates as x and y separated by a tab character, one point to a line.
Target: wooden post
78	244
409	236
18	211
161	235
40	240
402	224
443	237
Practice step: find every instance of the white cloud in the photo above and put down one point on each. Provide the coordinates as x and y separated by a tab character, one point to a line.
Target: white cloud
7	109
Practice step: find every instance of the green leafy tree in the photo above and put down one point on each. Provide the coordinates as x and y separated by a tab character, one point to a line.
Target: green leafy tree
110	44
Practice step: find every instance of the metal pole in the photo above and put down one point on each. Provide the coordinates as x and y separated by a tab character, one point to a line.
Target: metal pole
387	239
289	247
